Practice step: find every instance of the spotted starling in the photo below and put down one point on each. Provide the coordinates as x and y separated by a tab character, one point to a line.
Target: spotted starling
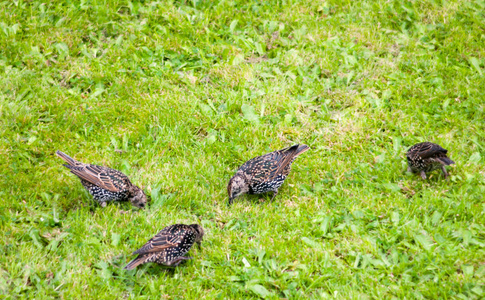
426	157
265	173
105	184
169	246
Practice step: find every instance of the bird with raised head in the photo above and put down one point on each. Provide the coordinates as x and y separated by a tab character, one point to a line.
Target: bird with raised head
264	173
427	157
105	184
169	246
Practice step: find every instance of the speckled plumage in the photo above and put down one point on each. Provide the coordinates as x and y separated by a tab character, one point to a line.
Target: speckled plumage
105	184
264	173
169	246
427	157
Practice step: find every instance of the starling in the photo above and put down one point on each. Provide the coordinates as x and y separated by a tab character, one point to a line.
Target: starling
169	246
426	157
265	173
105	184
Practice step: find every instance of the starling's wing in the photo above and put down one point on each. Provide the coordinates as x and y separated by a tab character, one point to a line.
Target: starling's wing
286	156
106	178
267	167
260	168
171	236
427	150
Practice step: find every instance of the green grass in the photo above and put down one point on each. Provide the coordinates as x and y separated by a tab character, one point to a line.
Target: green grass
188	91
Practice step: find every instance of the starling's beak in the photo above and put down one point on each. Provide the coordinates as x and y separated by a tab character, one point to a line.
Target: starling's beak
199	245
230	201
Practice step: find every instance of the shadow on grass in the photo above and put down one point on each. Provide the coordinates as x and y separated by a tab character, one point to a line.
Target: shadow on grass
153	269
255	199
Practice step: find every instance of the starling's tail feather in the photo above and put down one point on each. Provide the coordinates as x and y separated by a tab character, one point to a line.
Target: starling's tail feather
71	161
446	161
296	150
289	155
134	263
300	149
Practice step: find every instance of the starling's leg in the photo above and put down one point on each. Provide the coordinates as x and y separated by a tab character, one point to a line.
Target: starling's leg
444	171
423	175
409	169
274	195
178	260
103	204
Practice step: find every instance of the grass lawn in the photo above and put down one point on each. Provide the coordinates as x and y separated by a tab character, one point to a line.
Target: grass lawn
178	94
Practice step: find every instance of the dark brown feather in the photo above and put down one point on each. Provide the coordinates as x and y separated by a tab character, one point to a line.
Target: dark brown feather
264	173
102	177
135	263
427	149
70	161
426	157
105	184
169	246
286	157
167	237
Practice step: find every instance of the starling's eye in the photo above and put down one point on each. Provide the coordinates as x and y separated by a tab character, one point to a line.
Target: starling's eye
142	205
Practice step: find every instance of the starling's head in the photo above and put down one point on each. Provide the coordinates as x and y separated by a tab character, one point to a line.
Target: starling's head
137	197
199	233
237	186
